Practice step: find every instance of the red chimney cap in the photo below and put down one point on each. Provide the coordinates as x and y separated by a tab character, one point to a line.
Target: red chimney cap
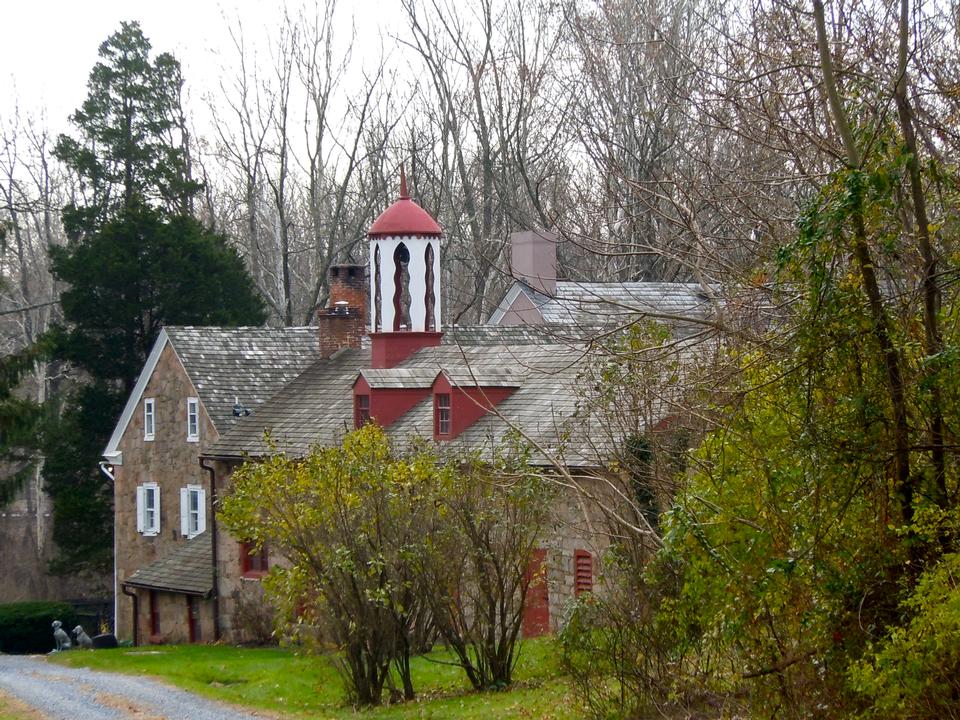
404	217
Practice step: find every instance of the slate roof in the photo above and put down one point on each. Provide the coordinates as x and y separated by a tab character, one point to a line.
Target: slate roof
589	305
317	407
246	363
187	569
543	406
398	377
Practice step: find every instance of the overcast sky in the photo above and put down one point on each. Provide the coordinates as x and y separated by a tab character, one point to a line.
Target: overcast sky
47	47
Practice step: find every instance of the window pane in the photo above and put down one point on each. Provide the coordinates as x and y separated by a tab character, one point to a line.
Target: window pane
193	406
443	413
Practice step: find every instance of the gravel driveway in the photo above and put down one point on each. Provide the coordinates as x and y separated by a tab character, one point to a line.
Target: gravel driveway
63	693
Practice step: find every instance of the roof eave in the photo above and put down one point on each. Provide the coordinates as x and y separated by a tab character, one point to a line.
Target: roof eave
168	588
113	445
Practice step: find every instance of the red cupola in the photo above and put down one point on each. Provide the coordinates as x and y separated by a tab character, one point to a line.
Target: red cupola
404	217
404	281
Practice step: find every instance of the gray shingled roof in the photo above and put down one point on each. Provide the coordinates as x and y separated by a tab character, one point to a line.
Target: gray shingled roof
586	306
542	407
485	375
399	377
595	302
246	363
317	407
187	569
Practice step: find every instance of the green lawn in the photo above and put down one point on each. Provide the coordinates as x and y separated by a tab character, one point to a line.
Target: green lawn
278	680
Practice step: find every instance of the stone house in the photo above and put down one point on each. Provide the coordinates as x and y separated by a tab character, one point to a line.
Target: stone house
196	383
378	353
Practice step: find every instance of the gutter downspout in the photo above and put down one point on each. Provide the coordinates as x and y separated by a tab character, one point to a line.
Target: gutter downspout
136	614
106	468
213	547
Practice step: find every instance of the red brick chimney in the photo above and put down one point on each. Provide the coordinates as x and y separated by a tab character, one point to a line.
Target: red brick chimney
348	283
343	323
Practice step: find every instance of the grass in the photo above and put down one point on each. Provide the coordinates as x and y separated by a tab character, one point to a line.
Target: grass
279	681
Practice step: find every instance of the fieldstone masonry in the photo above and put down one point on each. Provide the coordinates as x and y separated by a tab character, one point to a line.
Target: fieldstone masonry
171	462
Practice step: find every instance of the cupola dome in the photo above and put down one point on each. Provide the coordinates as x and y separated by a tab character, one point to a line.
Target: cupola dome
404	217
404	280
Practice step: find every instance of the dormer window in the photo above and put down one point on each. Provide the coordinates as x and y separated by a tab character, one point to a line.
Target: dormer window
442	413
361	415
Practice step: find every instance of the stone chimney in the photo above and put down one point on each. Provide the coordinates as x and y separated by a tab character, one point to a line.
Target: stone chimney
533	259
343	323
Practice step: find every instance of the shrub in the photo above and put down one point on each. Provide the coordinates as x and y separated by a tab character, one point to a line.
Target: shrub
915	670
630	651
26	627
489	516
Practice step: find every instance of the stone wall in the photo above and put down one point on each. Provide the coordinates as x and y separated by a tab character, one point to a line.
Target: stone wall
173	618
26	539
170	461
577	525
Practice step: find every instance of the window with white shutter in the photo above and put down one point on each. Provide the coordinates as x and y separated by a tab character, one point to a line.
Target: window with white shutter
193	516
148	509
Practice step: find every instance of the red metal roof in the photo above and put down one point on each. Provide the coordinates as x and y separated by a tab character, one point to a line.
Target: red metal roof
404	217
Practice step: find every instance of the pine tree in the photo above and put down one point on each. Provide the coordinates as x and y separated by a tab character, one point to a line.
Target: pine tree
133	138
137	261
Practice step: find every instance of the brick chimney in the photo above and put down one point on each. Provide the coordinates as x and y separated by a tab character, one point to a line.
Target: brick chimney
348	283
533	259
343	323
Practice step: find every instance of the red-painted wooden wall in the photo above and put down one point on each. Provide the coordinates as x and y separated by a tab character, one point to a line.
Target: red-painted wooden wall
536	611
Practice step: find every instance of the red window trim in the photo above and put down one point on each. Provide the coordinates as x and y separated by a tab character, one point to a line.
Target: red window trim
253	564
443	414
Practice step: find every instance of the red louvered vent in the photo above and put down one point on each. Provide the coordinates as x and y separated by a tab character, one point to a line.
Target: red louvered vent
582	572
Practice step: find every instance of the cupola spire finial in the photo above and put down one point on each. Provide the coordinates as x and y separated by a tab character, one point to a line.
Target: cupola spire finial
403	182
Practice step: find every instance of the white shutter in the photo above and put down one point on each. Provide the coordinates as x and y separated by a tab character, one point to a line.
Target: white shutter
156	528
184	511
141	492
202	504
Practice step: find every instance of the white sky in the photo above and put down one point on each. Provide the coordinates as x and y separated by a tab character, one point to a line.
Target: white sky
48	47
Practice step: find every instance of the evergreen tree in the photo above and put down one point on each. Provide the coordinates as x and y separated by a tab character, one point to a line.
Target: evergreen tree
139	271
133	138
137	261
20	419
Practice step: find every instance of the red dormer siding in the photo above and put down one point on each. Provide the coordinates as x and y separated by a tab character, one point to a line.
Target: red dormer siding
387	405
389	349
467	405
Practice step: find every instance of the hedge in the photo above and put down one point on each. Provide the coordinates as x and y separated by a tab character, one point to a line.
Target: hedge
27	627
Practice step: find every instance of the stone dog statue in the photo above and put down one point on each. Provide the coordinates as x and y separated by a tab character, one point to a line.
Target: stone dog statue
61	637
83	640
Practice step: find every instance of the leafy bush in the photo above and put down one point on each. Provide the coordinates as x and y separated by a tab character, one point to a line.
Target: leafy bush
26	627
630	651
915	671
370	535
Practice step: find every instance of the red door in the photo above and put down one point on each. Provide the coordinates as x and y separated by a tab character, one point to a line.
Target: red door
536	611
193	617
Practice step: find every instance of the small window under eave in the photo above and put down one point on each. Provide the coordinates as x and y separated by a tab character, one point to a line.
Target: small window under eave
361	410
443	414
